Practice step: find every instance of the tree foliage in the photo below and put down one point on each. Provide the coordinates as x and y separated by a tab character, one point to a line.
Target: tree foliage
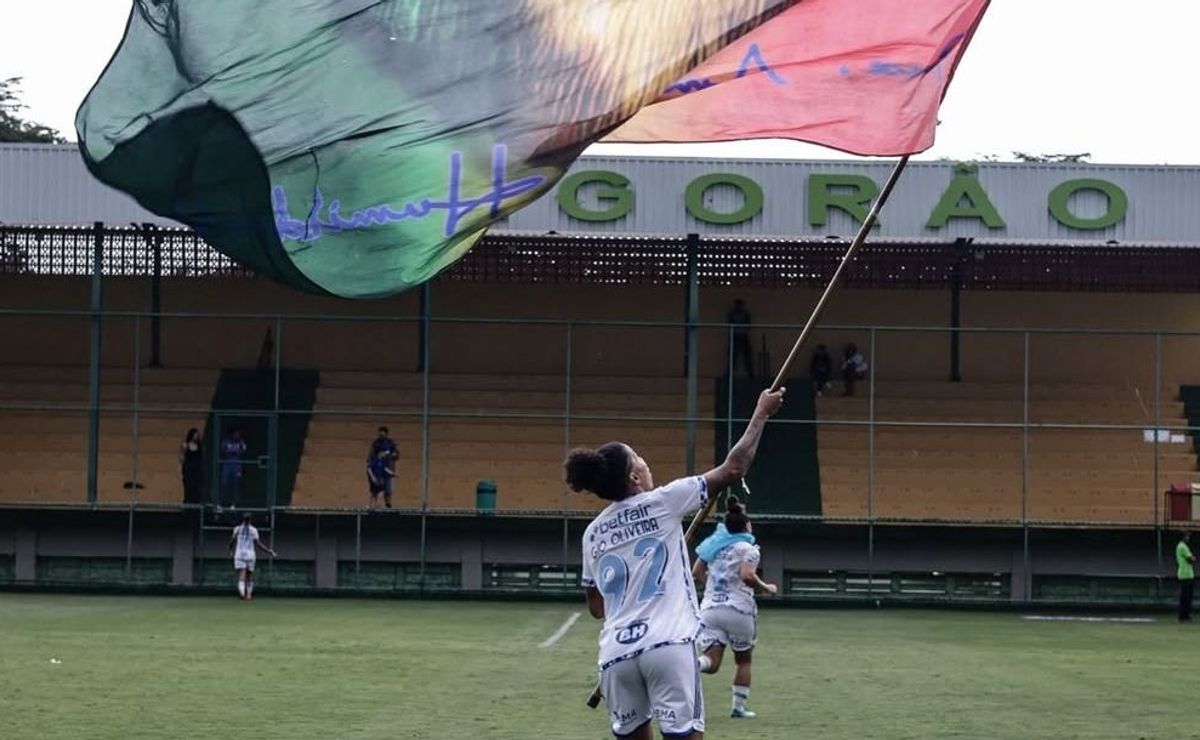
15	128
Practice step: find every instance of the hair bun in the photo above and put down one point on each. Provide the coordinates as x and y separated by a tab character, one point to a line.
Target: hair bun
732	503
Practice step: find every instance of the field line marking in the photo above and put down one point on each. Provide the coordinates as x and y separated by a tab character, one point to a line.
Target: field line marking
1138	620
562	630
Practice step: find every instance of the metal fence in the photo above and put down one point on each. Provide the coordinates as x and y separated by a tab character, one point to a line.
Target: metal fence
1036	426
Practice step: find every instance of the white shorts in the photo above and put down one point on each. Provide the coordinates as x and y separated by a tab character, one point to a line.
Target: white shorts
244	564
725	625
662	683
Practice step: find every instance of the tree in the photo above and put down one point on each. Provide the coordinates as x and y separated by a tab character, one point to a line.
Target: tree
12	126
1082	157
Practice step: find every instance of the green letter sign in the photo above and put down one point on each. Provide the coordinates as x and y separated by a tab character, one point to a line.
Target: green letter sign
965	186
615	193
1118	204
752	192
821	197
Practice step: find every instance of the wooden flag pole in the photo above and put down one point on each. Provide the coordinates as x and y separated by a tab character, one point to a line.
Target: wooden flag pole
855	245
868	223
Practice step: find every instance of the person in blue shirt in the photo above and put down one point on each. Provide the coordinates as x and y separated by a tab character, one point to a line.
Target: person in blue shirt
381	468
233	450
379	479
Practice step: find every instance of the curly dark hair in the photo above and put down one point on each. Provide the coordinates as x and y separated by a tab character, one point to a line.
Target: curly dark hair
604	470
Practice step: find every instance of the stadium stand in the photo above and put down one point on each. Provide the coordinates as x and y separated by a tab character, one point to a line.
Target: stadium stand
43	432
976	472
504	428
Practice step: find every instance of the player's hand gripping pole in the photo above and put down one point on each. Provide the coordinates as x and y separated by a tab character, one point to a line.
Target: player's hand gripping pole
868	223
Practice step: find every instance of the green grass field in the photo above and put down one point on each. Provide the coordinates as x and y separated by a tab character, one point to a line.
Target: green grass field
137	667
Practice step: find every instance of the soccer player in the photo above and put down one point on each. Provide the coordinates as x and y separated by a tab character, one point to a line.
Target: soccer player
244	544
636	572
729	560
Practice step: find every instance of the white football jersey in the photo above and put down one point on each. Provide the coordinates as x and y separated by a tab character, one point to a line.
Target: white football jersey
246	535
634	553
725	586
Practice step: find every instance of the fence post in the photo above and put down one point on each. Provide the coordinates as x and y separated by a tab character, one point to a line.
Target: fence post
873	371
1027	590
566	533
155	298
693	343
94	364
1157	426
426	342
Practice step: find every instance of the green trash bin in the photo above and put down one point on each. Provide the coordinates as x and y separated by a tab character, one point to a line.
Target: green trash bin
485	496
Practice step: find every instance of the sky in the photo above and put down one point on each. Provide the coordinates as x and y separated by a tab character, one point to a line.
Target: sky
1106	77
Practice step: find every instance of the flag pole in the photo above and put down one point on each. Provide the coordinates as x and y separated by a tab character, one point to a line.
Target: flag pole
859	238
868	223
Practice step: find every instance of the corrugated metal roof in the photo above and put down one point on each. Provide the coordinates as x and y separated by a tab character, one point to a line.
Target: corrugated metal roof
49	185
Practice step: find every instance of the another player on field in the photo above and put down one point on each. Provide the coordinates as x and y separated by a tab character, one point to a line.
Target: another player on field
636	572
729	560
244	545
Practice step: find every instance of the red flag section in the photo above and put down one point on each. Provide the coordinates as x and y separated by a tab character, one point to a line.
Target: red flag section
863	76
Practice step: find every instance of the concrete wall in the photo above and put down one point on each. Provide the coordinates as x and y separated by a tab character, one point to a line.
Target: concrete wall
474	545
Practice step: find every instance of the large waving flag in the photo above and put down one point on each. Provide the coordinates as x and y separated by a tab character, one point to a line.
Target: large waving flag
359	147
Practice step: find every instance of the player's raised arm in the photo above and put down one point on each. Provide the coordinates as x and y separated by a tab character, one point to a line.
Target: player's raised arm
741	456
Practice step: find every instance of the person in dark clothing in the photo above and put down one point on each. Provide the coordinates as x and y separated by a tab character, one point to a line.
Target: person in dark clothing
379	478
820	368
191	467
739	319
233	450
854	368
381	467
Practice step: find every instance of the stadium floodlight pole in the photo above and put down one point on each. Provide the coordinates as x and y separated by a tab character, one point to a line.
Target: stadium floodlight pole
868	223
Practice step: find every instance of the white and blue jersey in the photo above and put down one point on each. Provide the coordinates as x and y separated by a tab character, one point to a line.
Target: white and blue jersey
634	553
725	586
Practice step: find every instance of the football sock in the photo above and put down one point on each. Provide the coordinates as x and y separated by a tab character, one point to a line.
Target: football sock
740	695
242	589
705	663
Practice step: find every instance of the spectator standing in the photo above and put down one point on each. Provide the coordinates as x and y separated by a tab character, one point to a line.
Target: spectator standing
383	448
820	368
233	451
854	368
379	478
739	319
1186	571
191	467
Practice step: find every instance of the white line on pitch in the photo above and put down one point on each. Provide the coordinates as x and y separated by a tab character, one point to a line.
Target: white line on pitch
1140	620
558	634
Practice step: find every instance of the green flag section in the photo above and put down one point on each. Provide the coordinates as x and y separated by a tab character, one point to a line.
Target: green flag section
359	147
785	478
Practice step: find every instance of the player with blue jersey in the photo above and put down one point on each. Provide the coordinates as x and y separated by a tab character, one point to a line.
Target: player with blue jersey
638	578
728	563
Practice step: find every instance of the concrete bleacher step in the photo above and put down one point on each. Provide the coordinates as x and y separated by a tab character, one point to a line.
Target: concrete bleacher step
938	389
502	382
1129	459
999	440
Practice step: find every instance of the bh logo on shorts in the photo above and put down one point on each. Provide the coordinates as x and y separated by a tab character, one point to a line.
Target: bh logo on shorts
632	633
